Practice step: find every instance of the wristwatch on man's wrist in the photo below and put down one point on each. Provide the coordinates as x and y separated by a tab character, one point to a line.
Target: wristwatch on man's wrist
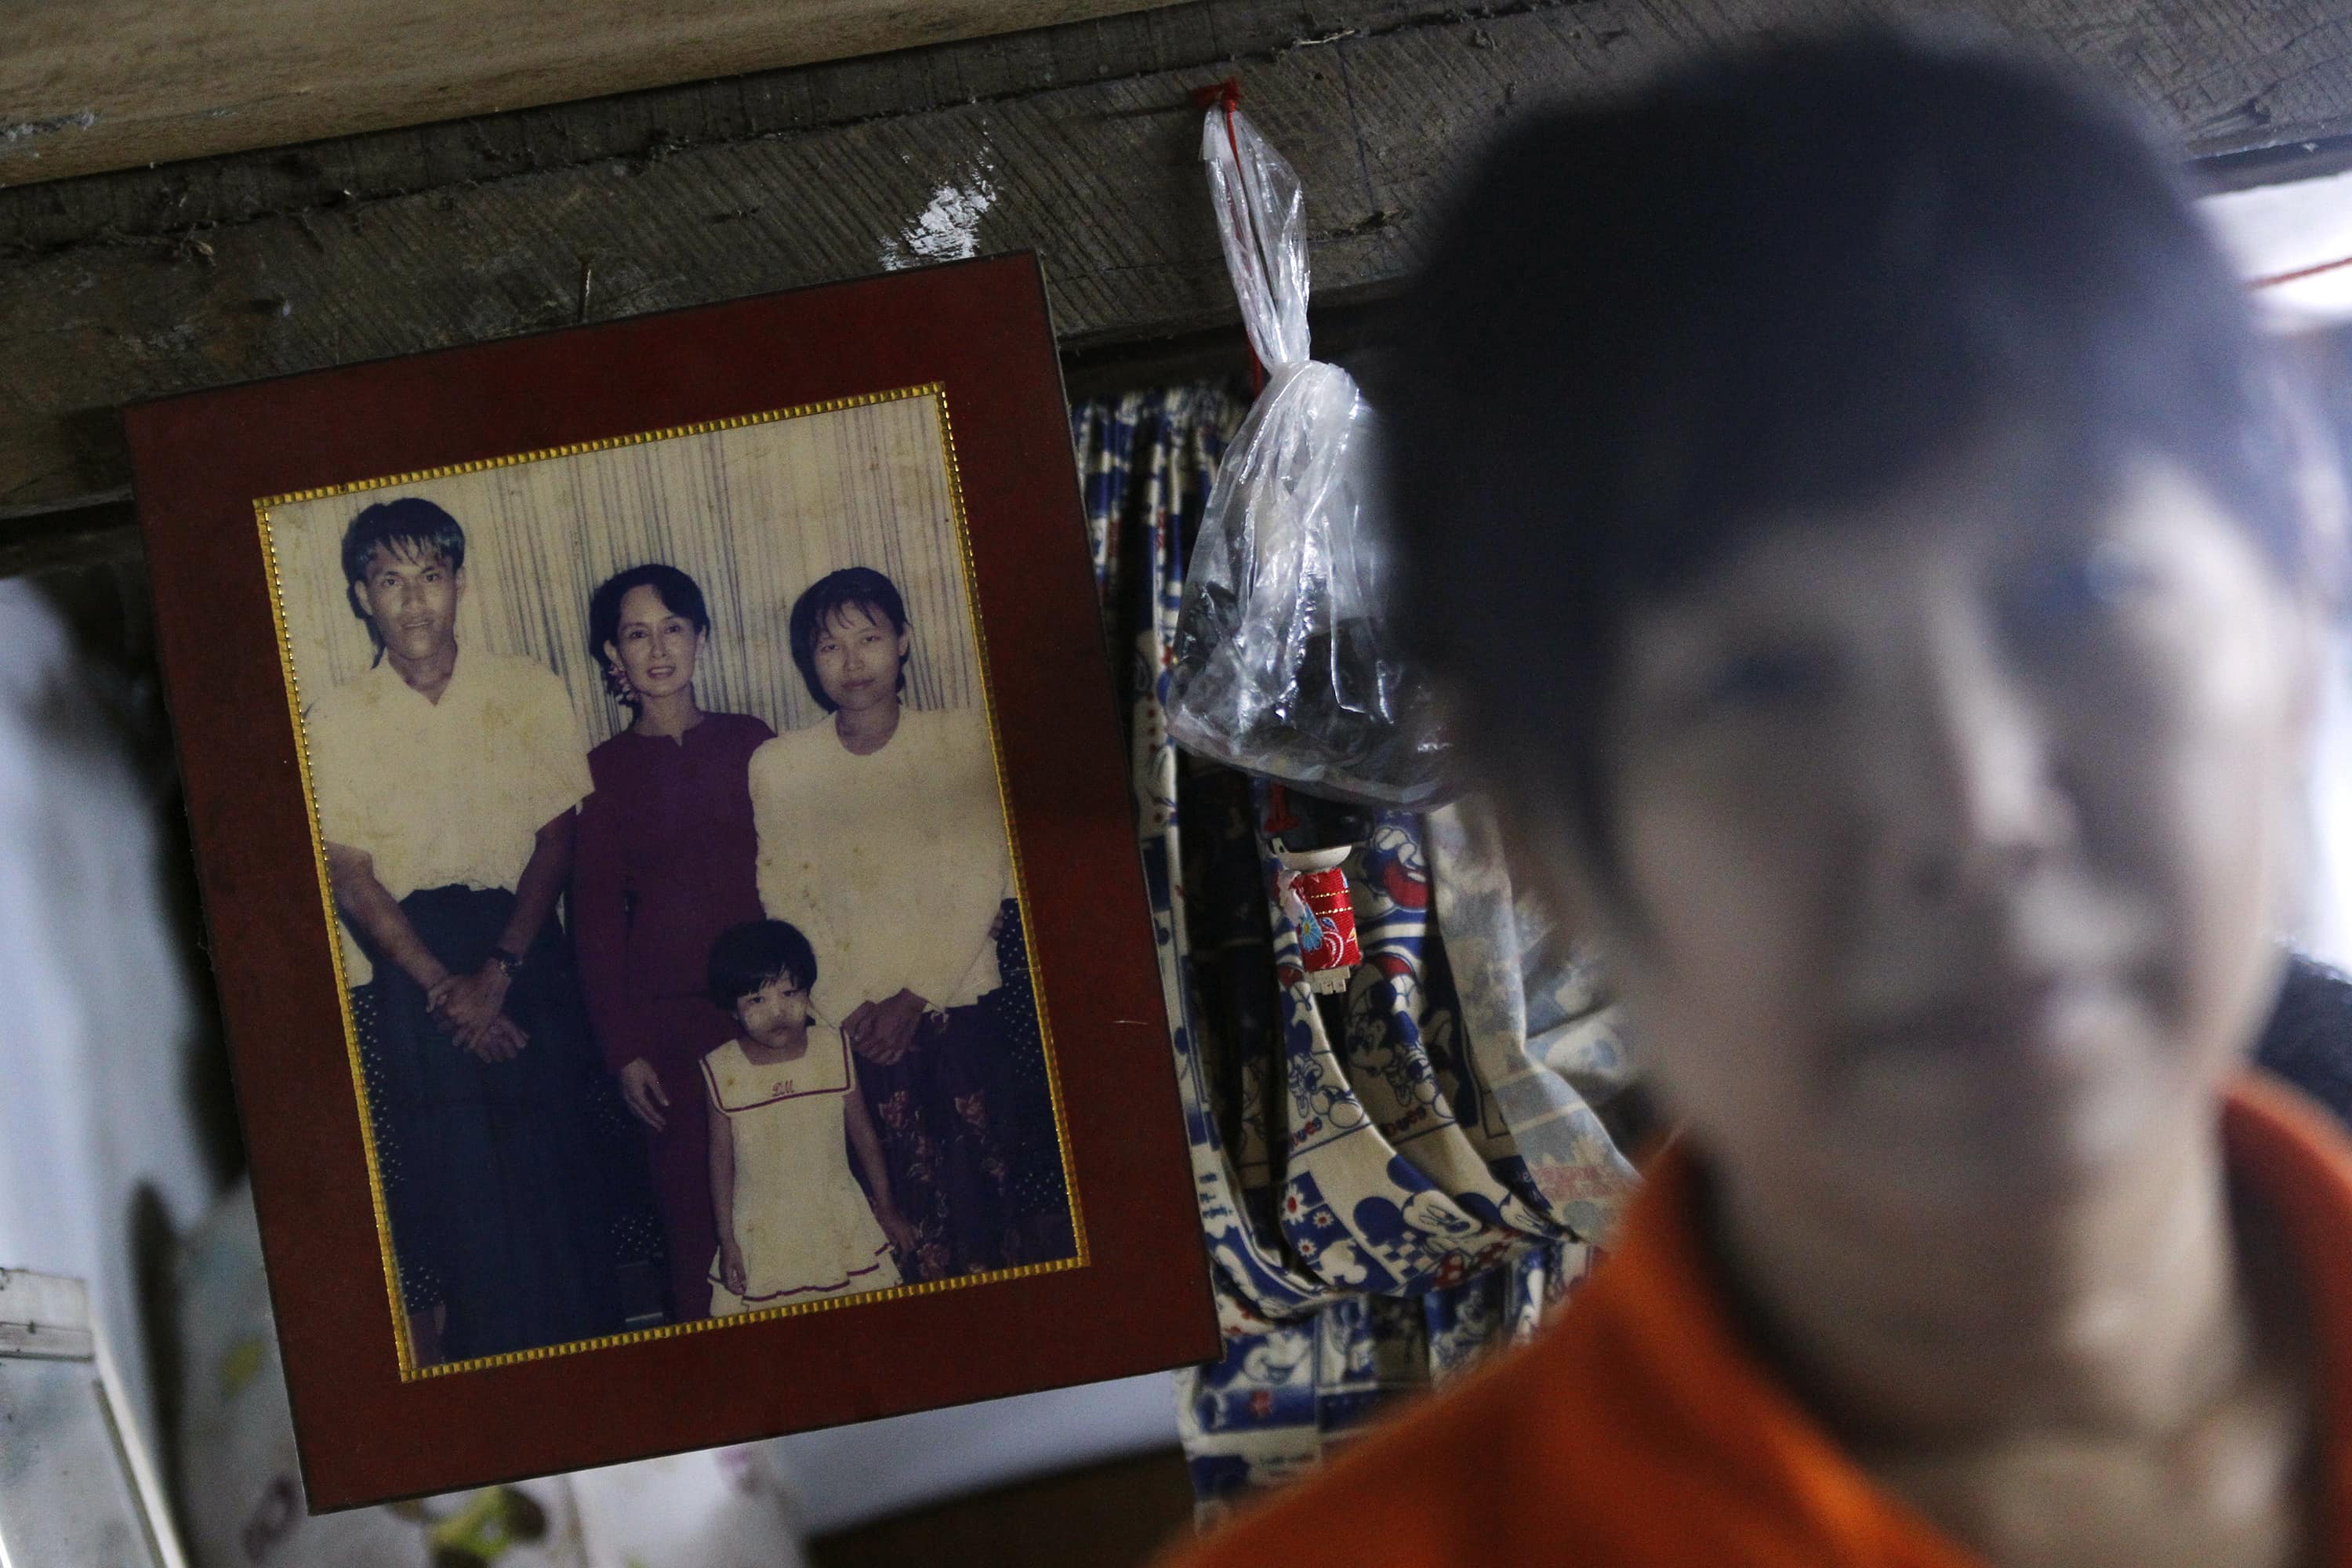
509	963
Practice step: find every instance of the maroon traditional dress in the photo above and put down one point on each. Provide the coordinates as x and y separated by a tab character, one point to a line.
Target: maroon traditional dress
665	863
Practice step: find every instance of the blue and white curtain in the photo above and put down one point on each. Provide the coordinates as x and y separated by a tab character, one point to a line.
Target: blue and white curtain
1395	1179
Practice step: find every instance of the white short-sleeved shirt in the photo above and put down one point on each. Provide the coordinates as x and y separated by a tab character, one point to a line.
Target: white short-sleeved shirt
447	791
893	864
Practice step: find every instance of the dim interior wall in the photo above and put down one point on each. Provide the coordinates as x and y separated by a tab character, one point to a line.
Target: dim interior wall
104	1150
1079	141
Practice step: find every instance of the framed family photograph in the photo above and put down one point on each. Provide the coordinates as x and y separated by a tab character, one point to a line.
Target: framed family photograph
670	875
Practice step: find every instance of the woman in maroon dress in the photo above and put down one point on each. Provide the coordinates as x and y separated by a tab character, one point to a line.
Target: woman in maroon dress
665	863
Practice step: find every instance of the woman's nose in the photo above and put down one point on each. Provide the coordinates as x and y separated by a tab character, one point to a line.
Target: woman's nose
1972	796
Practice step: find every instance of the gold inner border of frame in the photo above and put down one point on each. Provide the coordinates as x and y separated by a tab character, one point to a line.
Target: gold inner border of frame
409	1370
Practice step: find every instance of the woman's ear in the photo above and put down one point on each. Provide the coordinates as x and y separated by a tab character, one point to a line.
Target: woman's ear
2322	592
2312	642
2298	366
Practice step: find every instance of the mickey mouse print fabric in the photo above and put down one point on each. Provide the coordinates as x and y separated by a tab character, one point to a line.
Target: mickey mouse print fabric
1390	1181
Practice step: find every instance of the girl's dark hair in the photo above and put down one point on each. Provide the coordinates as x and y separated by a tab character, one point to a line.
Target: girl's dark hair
680	595
851	588
748	957
1783	284
410	523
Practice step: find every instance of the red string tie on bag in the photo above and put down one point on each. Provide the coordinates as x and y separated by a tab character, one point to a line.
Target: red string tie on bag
1226	96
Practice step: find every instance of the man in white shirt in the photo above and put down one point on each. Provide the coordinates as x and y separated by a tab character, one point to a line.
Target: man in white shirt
446	788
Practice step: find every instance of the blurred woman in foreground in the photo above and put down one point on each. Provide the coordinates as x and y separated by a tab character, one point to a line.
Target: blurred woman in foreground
1842	495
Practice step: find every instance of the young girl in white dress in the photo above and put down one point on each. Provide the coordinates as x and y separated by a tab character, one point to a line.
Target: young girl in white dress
794	1225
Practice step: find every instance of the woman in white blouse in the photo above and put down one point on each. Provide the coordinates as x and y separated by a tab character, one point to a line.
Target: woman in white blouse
881	835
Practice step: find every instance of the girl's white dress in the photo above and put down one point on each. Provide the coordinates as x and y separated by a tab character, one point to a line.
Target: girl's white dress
803	1222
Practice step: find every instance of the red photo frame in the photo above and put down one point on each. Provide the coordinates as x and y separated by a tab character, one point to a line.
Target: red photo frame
370	1424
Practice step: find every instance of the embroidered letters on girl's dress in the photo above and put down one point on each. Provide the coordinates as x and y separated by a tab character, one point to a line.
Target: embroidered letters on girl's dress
744	1085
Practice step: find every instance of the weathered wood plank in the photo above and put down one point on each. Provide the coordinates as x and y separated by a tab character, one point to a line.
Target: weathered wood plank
1077	141
116	84
196	196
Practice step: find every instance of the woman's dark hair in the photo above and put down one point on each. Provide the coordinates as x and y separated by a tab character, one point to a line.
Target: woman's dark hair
679	595
851	588
410	524
748	957
1783	284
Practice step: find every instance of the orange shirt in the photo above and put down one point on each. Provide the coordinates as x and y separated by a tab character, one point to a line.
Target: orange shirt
1641	1433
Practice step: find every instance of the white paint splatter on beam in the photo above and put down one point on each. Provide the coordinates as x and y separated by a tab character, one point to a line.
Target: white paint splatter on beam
949	228
23	130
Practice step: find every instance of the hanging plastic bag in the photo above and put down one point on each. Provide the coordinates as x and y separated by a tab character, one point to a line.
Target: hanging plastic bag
1284	666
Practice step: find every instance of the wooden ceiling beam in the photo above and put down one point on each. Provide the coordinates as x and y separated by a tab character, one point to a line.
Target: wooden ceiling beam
117	84
1077	141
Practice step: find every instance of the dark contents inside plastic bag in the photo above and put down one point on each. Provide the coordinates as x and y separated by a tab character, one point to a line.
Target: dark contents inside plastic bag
1284	667
1343	721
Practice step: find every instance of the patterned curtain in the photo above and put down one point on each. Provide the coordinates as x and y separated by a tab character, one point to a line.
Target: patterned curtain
1390	1181
844	488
